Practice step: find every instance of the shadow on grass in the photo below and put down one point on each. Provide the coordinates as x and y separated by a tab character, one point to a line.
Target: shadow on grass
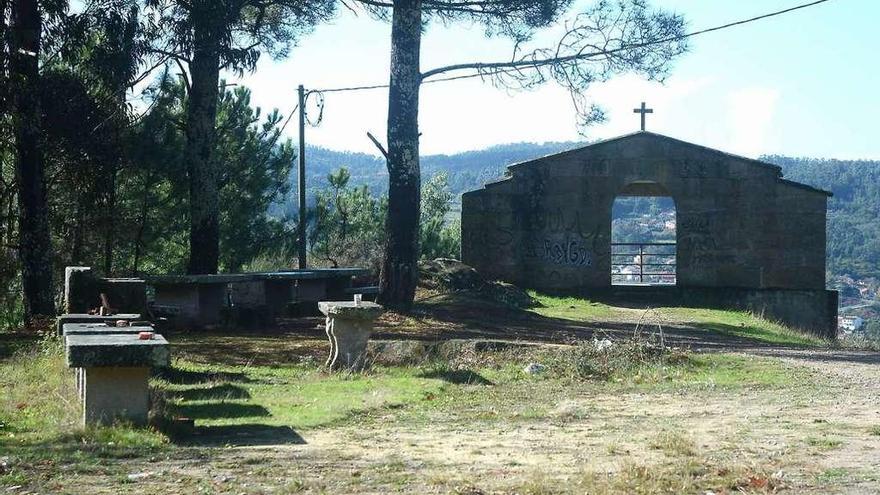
458	377
12	342
750	334
178	376
221	410
224	391
243	435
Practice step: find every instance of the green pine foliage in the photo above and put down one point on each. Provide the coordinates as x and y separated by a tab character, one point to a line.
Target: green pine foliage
348	224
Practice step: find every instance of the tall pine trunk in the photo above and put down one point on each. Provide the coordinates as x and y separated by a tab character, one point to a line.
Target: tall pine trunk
204	200
110	221
399	273
35	245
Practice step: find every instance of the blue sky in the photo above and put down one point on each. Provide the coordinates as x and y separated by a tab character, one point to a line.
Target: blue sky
803	84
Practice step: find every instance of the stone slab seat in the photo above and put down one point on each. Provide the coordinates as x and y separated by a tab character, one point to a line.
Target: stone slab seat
349	326
115	371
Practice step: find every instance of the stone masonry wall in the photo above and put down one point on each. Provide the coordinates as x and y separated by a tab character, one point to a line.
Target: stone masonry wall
739	224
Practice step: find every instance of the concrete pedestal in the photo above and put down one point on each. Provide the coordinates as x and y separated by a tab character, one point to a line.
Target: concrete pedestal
115	394
349	327
113	372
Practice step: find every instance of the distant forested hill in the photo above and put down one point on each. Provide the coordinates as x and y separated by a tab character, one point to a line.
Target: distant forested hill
853	223
853	212
468	170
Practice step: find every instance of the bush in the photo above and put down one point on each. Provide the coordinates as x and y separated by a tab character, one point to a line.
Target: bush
604	359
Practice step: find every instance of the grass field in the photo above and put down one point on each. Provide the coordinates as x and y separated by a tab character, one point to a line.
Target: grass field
631	420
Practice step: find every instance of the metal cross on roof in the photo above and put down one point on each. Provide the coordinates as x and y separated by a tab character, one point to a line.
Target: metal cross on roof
643	111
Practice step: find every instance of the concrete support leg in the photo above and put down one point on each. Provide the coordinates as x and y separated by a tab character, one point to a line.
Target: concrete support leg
332	357
348	342
112	394
80	374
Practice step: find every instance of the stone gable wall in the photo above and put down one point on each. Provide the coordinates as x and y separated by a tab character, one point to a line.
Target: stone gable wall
548	225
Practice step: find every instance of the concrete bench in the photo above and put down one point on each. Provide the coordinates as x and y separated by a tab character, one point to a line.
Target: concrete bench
114	369
349	326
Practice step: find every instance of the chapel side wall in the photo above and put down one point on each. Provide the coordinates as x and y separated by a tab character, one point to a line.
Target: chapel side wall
795	253
722	220
563	214
488	234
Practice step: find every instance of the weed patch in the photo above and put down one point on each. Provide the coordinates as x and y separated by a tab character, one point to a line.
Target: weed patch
605	360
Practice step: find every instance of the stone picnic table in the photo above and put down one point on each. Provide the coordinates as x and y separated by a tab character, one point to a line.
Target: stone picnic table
113	370
200	299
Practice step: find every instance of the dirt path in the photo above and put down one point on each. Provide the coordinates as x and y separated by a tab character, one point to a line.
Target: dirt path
819	435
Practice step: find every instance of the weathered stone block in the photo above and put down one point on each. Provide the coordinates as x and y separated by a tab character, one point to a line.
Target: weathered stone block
116	394
117	350
80	290
349	327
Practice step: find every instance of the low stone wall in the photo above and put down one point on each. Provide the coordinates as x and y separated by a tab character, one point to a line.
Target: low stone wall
810	311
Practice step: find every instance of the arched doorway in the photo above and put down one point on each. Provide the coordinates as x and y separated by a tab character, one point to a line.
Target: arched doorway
643	236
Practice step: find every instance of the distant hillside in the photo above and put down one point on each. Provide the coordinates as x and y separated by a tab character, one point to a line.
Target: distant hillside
468	170
853	223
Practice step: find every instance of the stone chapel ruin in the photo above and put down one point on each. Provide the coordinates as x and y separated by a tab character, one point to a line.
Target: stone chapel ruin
746	238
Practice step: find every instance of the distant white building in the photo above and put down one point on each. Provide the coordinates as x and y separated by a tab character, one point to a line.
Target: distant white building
849	324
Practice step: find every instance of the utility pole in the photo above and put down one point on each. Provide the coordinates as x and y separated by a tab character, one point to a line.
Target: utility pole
301	228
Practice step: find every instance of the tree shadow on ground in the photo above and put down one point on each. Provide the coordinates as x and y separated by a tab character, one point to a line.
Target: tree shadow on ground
12	342
216	392
454	317
269	347
179	376
458	377
221	410
252	434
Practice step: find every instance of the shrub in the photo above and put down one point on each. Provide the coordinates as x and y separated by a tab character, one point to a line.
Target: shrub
604	359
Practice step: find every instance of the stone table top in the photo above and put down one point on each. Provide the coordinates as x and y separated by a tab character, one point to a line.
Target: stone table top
87	318
116	350
366	310
225	278
102	329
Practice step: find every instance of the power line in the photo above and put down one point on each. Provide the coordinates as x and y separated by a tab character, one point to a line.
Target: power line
638	45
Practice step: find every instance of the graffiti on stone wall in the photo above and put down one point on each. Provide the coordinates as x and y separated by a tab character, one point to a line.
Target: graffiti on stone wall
696	242
565	252
561	237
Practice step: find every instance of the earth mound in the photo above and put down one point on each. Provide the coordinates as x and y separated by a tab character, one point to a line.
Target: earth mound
449	275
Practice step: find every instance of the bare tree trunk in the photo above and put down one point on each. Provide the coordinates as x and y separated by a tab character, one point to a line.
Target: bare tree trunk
204	199
35	245
142	223
399	273
110	222
76	244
